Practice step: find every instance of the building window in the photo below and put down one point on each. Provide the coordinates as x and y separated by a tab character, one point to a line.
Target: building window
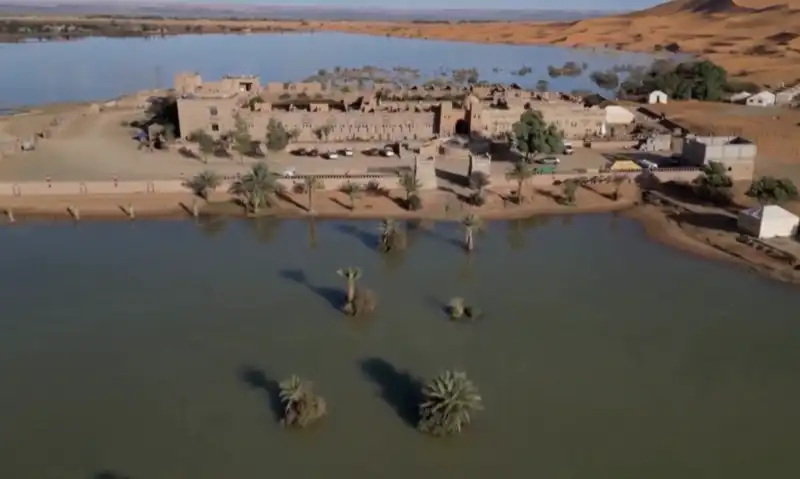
213	110
215	127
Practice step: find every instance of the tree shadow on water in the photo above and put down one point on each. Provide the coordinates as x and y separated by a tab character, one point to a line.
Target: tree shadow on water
334	297
370	240
258	379
398	389
108	474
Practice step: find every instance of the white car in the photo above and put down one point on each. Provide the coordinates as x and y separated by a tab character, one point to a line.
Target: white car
387	152
347	152
331	155
289	173
549	160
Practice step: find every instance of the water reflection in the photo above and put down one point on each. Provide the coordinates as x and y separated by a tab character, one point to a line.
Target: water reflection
264	229
211	226
312	233
518	230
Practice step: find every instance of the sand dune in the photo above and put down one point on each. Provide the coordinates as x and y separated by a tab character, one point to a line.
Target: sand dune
754	39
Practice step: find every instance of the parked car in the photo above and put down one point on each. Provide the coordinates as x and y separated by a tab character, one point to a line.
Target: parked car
289	172
331	155
346	152
387	152
314	152
648	164
372	152
549	160
568	149
299	152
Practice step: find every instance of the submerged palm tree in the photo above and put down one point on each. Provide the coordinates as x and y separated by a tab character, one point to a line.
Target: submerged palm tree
456	308
352	275
392	237
471	223
301	407
356	301
520	172
256	187
449	401
311	184
204	183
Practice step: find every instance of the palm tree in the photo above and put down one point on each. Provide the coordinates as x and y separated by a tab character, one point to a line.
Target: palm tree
391	236
301	407
256	187
449	401
569	188
357	301
352	275
456	308
352	191
408	181
471	223
204	183
311	183
618	181
520	172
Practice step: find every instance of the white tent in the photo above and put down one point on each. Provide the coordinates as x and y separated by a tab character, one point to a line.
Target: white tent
768	221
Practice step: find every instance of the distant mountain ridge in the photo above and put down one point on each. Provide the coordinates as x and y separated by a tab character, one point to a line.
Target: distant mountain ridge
283	12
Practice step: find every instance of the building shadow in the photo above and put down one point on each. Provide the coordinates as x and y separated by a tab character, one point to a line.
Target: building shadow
335	297
257	379
370	240
715	221
453	178
397	388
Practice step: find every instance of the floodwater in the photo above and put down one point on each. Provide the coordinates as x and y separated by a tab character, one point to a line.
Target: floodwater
95	69
143	349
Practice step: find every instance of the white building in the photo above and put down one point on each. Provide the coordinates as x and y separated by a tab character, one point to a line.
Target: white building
764	98
618	115
740	97
657	96
770	221
787	95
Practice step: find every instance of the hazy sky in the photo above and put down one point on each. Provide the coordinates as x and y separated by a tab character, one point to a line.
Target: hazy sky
439	4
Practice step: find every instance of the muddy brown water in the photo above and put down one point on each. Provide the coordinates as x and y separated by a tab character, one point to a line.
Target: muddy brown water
149	350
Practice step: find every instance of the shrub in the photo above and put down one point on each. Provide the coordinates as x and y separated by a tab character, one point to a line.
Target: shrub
414	203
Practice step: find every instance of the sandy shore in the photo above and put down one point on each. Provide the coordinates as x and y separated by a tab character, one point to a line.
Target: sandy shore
439	206
659	223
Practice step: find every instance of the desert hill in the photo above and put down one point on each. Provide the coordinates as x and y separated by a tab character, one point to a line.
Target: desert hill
719	7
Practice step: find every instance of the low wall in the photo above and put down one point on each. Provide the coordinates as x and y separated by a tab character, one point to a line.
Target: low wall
38	188
614	145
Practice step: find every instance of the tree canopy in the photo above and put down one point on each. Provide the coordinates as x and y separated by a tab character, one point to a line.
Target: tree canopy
531	135
771	190
699	80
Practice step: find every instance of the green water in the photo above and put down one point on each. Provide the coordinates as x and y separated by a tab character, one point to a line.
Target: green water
142	348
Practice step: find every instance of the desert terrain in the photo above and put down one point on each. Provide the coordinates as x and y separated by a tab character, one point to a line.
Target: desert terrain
755	40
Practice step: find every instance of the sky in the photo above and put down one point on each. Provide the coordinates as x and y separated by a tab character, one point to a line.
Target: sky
429	4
